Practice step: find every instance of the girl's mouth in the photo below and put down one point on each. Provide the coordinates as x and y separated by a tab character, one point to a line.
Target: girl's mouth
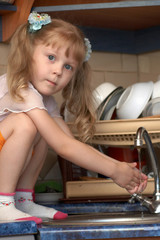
52	83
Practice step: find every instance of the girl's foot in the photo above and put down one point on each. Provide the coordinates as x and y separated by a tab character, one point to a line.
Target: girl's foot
8	212
24	202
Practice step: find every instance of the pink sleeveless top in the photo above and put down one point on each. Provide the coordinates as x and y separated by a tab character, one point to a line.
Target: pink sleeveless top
32	99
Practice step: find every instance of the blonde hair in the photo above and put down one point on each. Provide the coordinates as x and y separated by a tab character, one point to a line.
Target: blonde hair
77	94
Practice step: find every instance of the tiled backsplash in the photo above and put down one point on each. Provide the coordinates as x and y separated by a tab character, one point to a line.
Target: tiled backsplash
122	69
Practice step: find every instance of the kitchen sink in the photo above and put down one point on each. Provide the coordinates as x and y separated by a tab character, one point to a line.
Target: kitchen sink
94	219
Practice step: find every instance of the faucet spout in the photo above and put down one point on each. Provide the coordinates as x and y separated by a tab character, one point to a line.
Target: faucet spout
143	134
152	204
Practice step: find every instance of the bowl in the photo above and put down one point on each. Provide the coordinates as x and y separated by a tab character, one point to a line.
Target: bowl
156	90
152	108
101	92
133	100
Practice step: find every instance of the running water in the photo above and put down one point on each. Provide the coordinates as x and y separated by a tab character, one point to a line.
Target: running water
140	169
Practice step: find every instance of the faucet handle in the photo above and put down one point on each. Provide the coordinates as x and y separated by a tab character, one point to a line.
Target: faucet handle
152	205
133	198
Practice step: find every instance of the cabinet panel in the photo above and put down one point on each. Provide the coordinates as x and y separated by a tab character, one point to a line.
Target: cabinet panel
126	15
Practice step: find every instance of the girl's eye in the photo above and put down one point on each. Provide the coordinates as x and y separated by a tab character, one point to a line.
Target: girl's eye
68	67
51	57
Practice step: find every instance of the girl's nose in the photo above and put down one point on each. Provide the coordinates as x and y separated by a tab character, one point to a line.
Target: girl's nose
57	69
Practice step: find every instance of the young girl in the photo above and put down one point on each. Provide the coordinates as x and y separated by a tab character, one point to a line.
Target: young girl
47	56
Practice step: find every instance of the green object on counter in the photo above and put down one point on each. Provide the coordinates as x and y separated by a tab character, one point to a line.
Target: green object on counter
48	186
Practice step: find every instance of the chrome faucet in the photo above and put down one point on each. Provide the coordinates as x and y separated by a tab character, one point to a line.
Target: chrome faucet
152	204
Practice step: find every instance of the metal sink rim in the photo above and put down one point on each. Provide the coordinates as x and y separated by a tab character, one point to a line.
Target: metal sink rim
114	218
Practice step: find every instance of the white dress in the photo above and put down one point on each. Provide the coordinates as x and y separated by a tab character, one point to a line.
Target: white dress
32	99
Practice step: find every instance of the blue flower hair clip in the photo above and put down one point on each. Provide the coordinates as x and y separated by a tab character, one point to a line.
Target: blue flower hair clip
88	49
37	20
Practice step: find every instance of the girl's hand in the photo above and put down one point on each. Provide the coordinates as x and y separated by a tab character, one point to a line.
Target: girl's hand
140	188
129	177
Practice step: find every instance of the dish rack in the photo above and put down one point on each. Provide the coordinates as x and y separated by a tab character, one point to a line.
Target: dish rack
118	133
122	132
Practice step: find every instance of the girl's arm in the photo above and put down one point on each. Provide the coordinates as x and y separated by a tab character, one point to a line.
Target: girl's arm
125	175
66	129
62	124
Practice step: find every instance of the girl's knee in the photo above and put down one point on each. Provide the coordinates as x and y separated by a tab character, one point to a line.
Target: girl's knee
18	122
24	122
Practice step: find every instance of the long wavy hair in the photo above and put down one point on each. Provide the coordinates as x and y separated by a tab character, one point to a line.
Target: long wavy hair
77	94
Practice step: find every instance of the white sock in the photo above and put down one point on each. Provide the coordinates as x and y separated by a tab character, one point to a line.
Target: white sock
24	202
8	211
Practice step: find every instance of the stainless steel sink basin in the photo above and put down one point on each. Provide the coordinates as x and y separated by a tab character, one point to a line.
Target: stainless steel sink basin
123	218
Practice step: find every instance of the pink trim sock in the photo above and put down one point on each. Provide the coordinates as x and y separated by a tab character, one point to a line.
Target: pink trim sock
35	219
8	212
60	215
24	202
7	194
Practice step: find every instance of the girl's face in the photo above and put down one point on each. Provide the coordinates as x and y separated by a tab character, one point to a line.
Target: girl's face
52	69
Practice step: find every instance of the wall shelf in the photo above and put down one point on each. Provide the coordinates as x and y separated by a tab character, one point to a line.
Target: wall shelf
124	15
114	26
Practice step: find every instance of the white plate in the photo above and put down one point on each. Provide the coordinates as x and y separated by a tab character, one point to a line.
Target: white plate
101	92
152	108
110	104
133	100
156	89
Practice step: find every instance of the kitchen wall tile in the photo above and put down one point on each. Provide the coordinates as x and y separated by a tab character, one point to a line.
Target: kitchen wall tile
144	63
145	77
153	54
106	61
129	63
98	77
121	78
155	64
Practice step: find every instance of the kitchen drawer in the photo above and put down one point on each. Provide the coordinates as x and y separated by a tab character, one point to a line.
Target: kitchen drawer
100	188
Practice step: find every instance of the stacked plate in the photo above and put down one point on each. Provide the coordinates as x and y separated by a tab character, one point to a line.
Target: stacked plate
139	99
153	106
133	100
108	106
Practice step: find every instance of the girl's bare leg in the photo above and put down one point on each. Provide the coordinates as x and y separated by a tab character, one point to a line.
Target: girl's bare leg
19	132
30	174
24	193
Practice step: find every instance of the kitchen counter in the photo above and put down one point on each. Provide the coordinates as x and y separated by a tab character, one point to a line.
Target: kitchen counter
18	230
83	208
99	231
70	232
